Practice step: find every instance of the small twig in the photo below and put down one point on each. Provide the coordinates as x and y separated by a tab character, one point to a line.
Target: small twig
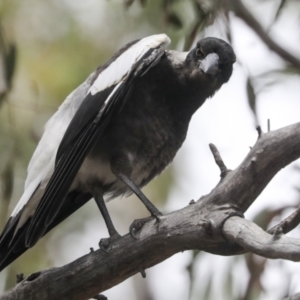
259	131
20	277
288	224
269	125
143	272
219	160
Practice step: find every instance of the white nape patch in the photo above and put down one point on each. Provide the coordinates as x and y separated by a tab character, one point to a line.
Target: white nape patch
121	67
176	57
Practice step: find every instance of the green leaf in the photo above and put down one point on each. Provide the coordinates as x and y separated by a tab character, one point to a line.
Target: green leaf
174	20
10	63
190	270
167	4
279	10
7	182
143	3
128	3
251	95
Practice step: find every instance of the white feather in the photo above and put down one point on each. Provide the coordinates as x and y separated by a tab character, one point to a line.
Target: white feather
176	57
119	68
42	162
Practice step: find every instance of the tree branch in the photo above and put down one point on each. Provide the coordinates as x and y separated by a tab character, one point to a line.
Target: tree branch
202	225
219	160
287	224
242	12
256	240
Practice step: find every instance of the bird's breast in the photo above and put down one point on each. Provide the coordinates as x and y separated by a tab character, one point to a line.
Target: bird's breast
148	143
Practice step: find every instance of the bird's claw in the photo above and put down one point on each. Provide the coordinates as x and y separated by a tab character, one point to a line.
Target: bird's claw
138	224
105	244
157	216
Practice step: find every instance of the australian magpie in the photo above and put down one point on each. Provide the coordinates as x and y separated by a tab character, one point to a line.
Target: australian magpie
114	133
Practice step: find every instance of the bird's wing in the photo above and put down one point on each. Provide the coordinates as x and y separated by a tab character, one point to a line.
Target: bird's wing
42	162
39	171
108	92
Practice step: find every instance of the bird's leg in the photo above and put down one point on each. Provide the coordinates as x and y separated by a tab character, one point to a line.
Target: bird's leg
152	209
104	243
138	224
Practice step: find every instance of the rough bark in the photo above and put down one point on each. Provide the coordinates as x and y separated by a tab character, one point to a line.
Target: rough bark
256	240
214	224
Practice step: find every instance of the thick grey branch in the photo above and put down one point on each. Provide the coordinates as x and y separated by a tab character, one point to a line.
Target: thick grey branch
256	240
272	152
197	226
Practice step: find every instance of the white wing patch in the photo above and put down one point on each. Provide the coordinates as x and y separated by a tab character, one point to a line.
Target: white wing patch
42	162
119	68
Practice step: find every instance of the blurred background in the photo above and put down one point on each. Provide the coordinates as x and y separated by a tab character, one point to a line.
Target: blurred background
47	48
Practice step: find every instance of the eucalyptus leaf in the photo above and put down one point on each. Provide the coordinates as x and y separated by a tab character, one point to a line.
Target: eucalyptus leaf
174	20
251	95
280	9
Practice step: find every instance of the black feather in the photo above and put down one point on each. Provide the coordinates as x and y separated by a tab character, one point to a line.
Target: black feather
86	127
9	252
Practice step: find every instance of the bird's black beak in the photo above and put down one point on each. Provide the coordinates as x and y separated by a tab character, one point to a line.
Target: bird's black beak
210	64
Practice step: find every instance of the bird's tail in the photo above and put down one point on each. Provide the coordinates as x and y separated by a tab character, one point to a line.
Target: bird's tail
12	244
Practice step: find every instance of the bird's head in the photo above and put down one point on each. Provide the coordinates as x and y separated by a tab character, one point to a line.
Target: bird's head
212	58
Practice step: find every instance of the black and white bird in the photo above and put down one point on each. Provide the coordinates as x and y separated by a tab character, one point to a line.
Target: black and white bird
115	133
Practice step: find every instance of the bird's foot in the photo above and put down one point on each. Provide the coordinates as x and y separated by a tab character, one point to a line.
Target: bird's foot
138	224
105	244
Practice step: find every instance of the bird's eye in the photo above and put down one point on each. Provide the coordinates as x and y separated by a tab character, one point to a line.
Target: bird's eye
199	53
